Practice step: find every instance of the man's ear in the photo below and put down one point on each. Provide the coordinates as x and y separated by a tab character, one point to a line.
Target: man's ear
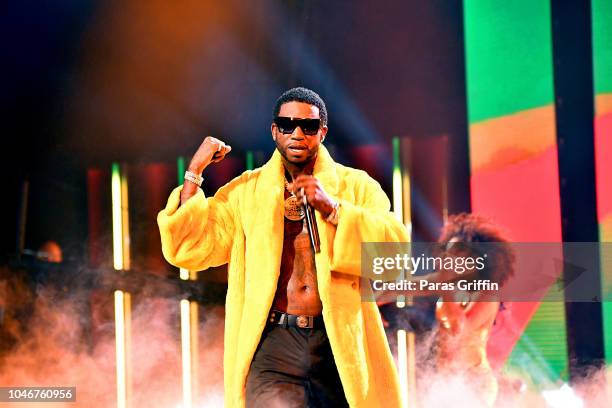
272	131
323	133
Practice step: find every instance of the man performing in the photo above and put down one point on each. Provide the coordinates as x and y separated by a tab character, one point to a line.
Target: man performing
296	331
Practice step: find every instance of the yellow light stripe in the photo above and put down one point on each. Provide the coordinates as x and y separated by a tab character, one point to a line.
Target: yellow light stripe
193	315
125	220
189	342
402	362
407	220
120	349
127	318
411	370
186	352
117	215
398	207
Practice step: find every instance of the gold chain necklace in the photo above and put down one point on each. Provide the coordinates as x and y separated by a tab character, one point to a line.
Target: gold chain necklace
294	211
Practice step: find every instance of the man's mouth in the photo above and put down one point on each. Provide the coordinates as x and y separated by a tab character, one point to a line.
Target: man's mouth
296	148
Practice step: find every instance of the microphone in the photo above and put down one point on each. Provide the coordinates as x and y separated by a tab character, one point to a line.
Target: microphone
311	224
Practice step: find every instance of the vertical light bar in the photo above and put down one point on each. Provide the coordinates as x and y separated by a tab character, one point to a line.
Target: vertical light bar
116	211
121	262
127	318
180	169
189	343
398	205
405	149
250	160
125	220
193	324
189	325
186	352
398	208
180	173
120	349
411	368
407	202
402	362
405	340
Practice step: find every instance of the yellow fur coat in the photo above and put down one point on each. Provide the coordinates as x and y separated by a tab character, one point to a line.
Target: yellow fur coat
243	225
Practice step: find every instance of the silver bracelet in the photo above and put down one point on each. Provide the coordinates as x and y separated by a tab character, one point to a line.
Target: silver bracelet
194	178
332	218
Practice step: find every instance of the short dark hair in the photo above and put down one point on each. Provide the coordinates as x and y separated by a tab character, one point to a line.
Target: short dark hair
475	229
305	95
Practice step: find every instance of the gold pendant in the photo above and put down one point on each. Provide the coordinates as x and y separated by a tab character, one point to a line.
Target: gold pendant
293	209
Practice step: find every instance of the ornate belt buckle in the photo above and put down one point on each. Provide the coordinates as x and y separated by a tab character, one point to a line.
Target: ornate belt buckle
302	322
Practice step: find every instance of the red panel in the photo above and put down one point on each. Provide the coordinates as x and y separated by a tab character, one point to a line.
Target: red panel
376	160
218	174
149	187
523	198
603	165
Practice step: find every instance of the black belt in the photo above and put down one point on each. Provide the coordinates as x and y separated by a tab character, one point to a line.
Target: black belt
299	321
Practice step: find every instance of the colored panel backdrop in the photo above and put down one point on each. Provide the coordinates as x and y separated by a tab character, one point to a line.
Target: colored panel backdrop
602	76
513	155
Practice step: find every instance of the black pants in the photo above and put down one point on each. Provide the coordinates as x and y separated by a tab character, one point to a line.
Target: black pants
294	367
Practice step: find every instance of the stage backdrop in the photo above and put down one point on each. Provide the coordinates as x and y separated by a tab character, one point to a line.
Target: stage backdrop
513	155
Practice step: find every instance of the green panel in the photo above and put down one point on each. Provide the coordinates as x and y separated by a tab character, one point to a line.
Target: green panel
541	352
250	160
396	154
602	45
508	57
607	325
180	169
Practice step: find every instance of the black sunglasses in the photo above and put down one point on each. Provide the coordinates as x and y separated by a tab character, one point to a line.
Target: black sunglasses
286	125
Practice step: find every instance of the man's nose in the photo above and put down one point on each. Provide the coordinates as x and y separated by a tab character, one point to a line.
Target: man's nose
297	133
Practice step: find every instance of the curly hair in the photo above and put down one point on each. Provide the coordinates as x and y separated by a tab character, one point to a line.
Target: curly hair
305	95
473	230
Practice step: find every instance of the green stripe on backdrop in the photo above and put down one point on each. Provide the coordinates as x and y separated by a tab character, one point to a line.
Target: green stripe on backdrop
541	352
607	324
602	45
508	56
250	160
180	170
